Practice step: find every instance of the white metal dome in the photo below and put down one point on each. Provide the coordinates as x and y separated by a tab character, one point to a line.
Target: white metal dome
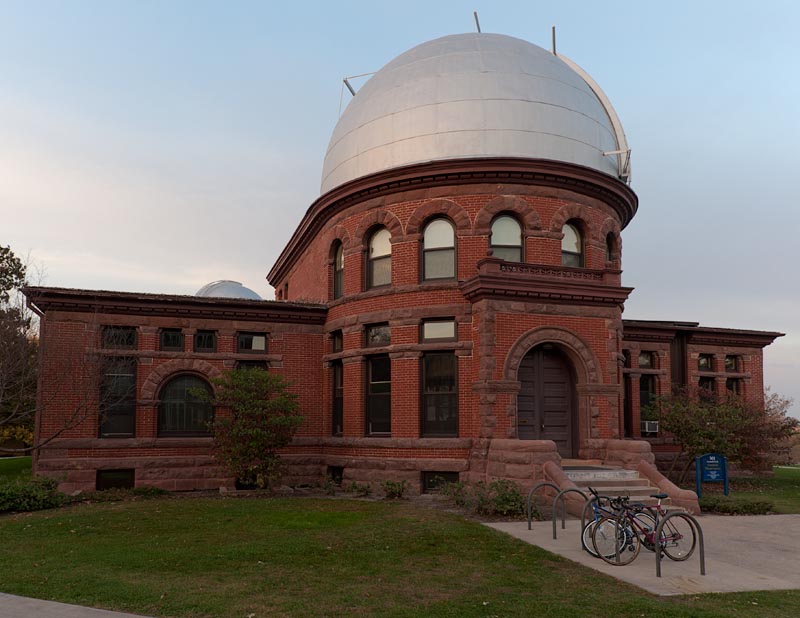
474	96
227	289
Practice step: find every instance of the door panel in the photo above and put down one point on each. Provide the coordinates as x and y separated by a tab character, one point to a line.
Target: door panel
545	404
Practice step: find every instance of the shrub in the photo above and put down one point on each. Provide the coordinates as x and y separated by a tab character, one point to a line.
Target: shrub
363	490
456	492
30	495
734	506
394	490
500	497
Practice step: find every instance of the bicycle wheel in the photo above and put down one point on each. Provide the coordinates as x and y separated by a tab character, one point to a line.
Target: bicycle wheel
647	523
607	536
586	538
678	538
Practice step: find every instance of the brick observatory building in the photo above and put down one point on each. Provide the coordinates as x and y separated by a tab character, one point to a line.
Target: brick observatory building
450	306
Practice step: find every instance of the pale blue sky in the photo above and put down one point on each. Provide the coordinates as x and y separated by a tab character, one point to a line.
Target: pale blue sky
155	146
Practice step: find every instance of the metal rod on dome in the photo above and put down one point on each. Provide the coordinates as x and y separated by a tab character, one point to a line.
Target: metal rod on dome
554	41
477	23
349	87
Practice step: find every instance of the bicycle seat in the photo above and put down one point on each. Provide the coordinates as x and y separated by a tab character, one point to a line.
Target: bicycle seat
658	496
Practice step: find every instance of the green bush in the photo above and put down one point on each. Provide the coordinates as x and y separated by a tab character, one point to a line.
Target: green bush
394	490
118	494
500	497
30	495
456	492
362	490
735	506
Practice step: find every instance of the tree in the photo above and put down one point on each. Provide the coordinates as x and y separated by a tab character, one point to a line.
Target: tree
746	433
263	418
18	346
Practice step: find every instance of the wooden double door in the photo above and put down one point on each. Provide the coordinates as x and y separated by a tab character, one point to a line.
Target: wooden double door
546	400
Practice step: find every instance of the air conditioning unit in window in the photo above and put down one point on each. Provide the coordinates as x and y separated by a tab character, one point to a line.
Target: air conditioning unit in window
649	426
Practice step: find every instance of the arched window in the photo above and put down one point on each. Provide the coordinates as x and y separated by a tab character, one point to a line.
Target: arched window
379	259
438	250
338	270
506	239
610	247
571	246
181	412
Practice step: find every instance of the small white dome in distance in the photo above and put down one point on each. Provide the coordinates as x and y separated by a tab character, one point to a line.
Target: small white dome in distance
227	289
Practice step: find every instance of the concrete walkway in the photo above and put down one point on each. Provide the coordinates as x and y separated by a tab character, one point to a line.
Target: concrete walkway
742	554
21	607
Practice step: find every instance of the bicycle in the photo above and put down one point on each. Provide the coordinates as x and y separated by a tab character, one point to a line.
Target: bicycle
618	538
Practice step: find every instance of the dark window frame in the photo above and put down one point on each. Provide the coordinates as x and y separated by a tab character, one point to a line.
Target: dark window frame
243	350
424	339
705	357
428	429
164	343
651	363
432	481
163	411
199	336
337	341
734	385
373	399
337	398
370	328
736	363
371	262
123	407
338	270
120	337
252	364
611	247
425	252
508	248
581	256
104	480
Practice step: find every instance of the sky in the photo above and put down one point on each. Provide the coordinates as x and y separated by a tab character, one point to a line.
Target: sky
155	146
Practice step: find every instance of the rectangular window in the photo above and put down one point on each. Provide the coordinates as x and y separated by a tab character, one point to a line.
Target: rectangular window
707	388
172	340
439	394
118	399
379	395
434	481
251	343
252	364
378	335
734	385
205	341
705	362
646	360
115	479
732	364
647	393
119	337
439	330
439	263
337	341
337	421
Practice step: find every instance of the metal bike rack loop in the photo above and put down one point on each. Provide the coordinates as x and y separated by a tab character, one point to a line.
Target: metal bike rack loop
697	528
528	503
560	496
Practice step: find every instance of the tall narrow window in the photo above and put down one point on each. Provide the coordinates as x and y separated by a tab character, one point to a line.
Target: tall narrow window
647	390
118	399
379	395
438	250
571	246
379	259
439	394
181	412
506	240
610	247
338	270
337	421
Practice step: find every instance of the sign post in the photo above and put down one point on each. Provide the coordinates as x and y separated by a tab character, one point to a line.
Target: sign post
710	468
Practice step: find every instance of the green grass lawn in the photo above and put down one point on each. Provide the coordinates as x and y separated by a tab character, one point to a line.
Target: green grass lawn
13	468
782	489
316	557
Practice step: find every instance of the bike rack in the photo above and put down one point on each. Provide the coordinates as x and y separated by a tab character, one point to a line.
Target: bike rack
528	503
697	528
560	496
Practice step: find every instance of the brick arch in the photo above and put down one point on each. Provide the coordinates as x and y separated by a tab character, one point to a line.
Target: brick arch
574	212
587	366
339	232
525	212
163	372
430	209
373	219
612	227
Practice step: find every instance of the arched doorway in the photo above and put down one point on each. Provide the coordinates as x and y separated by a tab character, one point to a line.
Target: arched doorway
546	403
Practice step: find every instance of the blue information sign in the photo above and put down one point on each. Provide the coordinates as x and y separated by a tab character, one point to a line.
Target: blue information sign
711	468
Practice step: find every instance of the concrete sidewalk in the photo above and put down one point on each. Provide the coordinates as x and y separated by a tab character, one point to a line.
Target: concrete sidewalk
742	554
22	607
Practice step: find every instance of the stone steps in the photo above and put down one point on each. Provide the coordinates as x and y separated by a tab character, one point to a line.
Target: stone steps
613	482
